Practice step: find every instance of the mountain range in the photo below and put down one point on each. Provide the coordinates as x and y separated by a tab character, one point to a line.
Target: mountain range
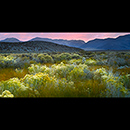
71	43
119	43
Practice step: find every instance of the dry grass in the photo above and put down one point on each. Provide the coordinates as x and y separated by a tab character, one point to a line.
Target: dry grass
89	88
47	64
95	67
7	73
122	71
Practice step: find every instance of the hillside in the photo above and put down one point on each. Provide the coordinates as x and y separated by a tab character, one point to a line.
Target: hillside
35	46
119	43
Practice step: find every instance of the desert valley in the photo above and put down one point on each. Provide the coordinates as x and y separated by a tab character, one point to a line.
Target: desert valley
45	67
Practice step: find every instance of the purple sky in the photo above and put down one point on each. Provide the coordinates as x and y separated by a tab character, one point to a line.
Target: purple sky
86	36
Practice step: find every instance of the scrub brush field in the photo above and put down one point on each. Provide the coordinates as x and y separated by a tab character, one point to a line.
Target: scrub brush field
79	74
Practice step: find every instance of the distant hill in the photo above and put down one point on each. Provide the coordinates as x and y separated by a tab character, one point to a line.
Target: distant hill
119	43
35	46
10	40
71	43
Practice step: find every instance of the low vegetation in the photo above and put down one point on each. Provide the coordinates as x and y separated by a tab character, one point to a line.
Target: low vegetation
79	74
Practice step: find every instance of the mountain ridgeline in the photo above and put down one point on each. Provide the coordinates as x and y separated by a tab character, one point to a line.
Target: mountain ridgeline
119	43
71	43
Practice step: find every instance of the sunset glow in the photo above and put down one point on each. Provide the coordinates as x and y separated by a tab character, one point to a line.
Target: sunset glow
86	36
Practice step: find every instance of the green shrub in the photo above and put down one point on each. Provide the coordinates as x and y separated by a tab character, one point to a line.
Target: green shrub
75	56
45	58
41	58
49	59
12	85
62	70
35	81
33	69
80	72
62	56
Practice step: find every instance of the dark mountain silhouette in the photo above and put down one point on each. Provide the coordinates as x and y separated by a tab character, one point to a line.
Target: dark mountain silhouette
119	43
10	40
35	46
71	43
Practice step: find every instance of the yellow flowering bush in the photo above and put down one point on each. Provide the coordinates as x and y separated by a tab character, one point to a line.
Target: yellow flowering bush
72	75
90	62
114	86
35	81
99	73
33	69
6	61
76	74
61	70
17	88
12	85
7	94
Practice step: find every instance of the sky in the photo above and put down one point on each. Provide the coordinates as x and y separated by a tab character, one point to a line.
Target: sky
86	36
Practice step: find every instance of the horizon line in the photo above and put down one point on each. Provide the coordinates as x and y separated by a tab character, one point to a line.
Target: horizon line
64	39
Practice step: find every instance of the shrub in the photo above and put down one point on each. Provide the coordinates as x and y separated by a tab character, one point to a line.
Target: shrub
113	60
45	58
49	59
18	70
26	92
41	58
7	93
90	62
6	61
100	72
80	72
15	88
75	56
114	86
73	77
62	56
62	70
11	85
57	88
35	81
75	61
126	80
33	69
